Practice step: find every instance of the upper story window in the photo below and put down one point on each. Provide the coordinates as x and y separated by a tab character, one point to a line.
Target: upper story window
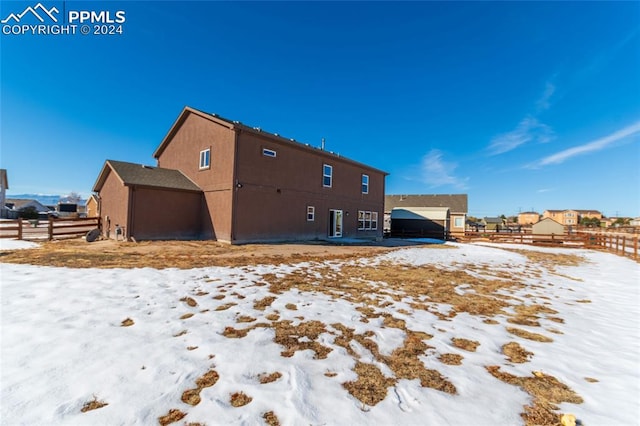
269	152
365	184
311	213
205	159
327	176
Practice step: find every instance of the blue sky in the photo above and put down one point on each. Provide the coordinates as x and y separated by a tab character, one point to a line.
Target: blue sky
521	105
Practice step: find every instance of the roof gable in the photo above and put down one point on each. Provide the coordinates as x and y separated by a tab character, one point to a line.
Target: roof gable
457	203
238	126
131	174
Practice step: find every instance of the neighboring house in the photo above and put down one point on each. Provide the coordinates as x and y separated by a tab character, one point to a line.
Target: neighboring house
547	226
588	214
457	205
91	207
492	223
220	179
18	204
4	185
429	222
635	222
563	217
528	218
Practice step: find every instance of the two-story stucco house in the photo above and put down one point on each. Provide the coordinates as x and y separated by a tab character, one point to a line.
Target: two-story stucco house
220	179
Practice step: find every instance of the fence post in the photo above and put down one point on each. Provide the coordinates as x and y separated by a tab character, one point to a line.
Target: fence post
19	229
50	228
635	247
624	245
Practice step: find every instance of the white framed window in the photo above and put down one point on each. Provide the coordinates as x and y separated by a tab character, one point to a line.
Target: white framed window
327	176
367	221
365	184
269	152
311	213
205	158
458	222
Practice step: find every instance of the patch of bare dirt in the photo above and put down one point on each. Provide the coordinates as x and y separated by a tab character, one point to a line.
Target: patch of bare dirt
77	253
239	399
174	415
271	419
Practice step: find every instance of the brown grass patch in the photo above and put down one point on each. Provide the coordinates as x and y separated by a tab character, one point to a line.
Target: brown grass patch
128	322
106	254
262	304
208	379
268	378
189	301
185	316
272	317
300	337
583	301
271	419
467	345
451	359
182	333
546	390
245	318
239	399
516	353
219	297
490	321
172	416
330	374
371	385
234	333
192	348
291	307
191	396
549	259
94	404
529	335
225	306
591	380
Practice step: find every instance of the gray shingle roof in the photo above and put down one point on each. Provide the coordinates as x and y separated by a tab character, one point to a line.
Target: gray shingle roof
138	174
457	203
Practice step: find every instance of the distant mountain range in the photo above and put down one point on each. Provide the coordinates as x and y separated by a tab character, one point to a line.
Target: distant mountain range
44	199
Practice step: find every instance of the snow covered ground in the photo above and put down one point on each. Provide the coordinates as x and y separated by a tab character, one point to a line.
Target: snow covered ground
64	344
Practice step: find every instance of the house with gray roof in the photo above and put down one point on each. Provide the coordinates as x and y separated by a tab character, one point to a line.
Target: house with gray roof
429	211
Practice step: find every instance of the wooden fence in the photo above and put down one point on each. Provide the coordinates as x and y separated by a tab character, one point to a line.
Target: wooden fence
35	229
621	244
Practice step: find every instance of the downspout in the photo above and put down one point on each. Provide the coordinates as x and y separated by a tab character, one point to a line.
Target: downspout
235	185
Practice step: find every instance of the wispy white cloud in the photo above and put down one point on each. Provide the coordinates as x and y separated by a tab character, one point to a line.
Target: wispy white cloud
595	145
435	171
545	100
528	130
543	190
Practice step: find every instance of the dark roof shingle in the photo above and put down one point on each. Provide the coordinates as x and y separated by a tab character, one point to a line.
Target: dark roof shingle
457	203
139	174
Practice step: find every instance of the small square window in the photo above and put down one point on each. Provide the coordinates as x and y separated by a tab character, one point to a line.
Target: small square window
269	153
327	176
311	213
205	159
365	184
